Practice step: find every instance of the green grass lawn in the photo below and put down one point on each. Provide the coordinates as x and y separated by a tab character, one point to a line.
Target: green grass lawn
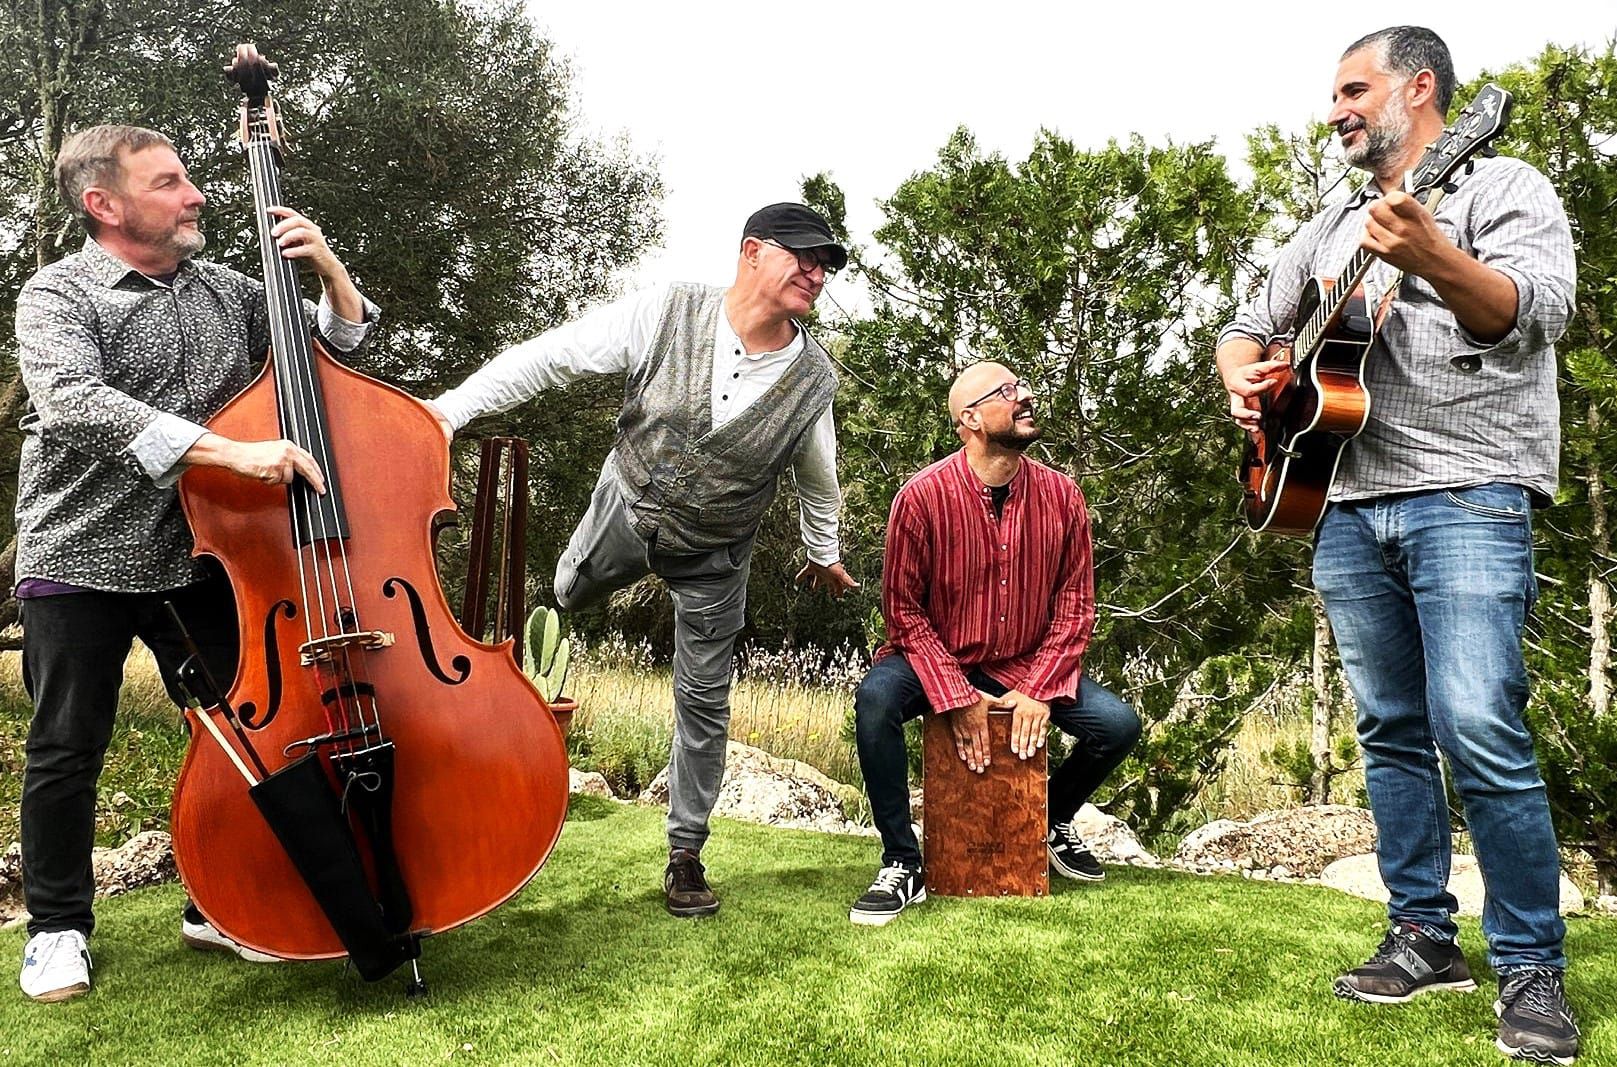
584	967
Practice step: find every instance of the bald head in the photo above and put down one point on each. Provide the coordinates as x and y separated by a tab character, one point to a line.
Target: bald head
973	382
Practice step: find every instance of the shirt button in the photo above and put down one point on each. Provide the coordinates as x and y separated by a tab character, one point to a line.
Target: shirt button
1002	618
1004	548
725	397
737	374
1002	581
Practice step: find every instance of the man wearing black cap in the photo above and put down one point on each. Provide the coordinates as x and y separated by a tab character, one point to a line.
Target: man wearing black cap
725	391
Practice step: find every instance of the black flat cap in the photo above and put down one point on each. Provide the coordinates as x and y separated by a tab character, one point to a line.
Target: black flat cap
795	226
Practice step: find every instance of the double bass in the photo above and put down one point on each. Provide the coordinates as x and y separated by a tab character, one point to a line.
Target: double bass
374	774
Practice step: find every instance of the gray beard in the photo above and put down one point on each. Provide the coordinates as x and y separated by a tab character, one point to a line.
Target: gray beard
1384	139
188	245
180	244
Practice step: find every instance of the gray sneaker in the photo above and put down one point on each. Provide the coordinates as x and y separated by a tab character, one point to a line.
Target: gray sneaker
1535	1021
1406	964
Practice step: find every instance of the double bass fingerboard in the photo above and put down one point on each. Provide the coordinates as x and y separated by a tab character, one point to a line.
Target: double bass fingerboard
297	386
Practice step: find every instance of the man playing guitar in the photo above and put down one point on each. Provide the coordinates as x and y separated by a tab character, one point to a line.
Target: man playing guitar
1424	556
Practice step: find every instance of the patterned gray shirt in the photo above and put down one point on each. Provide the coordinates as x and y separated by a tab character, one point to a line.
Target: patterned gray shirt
1446	410
121	371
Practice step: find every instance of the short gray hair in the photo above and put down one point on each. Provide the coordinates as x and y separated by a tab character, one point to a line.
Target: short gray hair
90	158
1408	50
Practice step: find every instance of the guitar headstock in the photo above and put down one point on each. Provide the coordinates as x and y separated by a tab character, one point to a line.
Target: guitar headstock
253	73
1477	127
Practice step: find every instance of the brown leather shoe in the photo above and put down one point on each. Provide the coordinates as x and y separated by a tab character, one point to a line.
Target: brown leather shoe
686	886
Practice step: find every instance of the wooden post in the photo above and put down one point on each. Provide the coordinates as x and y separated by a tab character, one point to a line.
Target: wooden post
984	833
502	483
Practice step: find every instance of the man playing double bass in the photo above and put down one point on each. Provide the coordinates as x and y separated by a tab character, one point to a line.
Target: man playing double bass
126	347
1424	556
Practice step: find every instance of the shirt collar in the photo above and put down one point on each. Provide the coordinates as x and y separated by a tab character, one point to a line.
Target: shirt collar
975	484
111	271
728	338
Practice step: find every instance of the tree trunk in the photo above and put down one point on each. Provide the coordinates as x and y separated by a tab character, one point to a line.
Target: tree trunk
1319	742
1599	592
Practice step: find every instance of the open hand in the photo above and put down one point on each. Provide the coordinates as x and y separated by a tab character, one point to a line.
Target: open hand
833	578
969	724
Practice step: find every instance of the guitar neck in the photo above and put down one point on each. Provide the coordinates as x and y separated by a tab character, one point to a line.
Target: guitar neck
1329	309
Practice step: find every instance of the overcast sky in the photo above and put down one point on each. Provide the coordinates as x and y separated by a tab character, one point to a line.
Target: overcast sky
739	101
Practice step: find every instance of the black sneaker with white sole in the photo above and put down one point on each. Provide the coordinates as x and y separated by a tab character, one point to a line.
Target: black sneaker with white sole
1535	1021
896	887
1070	856
1406	964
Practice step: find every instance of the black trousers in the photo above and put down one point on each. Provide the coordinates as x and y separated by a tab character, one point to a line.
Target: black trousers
74	646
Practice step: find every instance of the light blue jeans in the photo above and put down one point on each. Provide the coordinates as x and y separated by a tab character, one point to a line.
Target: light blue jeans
1428	593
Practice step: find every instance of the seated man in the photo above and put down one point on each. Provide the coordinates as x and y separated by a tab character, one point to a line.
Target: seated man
989	598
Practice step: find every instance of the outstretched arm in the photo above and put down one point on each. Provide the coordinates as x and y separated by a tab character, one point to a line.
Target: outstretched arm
610	339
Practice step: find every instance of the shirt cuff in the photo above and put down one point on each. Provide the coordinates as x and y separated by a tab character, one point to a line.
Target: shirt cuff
825	555
1050	691
1233	331
345	336
1524	311
160	445
455	408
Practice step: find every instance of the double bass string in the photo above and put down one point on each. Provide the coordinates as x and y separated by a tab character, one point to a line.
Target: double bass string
294	374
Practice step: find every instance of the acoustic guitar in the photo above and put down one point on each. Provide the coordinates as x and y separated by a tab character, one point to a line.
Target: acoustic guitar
1290	464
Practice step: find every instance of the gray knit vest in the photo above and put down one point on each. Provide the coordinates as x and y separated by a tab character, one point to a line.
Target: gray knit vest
688	487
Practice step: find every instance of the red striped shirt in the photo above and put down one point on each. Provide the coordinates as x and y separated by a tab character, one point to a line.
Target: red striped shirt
1013	596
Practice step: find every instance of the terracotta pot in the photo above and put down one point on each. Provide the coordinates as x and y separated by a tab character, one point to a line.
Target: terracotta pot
563	708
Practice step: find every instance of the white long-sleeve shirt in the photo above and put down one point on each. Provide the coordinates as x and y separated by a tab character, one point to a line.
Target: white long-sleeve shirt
616	338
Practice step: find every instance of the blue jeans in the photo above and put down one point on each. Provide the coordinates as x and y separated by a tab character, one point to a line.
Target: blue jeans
1428	593
891	695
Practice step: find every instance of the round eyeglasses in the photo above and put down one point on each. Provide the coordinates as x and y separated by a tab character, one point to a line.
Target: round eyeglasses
1007	391
807	258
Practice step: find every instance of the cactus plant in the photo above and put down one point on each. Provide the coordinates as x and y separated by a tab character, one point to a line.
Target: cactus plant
547	653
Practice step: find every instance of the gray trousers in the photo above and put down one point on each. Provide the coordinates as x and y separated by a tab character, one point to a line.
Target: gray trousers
710	600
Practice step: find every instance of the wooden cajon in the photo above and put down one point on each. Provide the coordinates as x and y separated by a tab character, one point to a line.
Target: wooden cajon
984	833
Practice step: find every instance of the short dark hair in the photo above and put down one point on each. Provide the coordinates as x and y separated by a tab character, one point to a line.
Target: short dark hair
1408	50
91	157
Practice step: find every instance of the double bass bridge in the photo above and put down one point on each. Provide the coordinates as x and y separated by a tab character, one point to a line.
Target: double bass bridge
325	649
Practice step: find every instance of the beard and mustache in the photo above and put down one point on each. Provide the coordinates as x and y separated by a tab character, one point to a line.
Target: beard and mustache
1017	437
1385	135
173	238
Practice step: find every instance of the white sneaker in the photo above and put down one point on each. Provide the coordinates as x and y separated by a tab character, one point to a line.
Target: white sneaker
203	935
56	966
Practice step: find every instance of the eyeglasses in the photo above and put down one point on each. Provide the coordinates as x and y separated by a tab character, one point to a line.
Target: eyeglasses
807	258
1007	391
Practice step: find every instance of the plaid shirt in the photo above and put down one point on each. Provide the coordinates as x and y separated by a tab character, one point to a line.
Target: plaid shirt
1013	595
1447	410
121	371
